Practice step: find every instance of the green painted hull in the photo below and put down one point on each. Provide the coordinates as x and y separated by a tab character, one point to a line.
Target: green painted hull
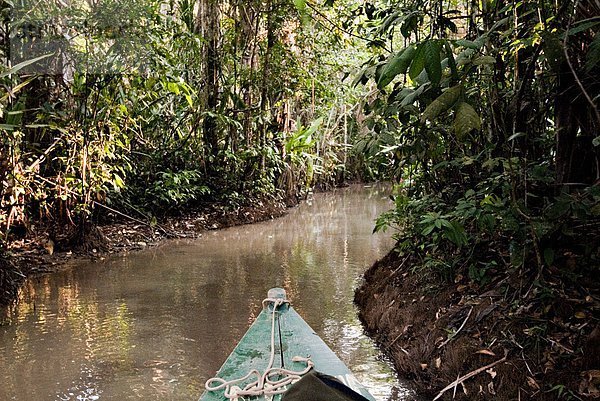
293	337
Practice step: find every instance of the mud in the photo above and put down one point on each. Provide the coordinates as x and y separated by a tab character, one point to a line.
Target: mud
437	333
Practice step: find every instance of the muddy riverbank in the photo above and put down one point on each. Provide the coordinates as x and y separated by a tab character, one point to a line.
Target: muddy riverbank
465	342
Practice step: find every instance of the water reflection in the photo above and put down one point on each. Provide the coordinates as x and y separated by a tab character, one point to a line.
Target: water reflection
157	324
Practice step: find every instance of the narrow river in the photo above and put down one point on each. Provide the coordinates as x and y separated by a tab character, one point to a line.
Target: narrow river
156	324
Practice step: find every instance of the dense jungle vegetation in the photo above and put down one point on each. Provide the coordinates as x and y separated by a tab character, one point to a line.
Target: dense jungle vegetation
484	114
143	109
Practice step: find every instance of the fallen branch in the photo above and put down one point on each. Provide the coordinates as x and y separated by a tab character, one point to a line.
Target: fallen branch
457	331
385	280
469	375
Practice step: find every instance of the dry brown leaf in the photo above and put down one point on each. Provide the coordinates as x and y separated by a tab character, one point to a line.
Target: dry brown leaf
485	352
532	383
490	387
438	362
423	366
580	315
491	372
590	385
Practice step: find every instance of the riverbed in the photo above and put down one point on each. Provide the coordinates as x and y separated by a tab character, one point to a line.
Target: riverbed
156	324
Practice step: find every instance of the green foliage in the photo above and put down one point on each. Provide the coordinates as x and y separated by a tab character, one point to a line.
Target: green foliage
431	52
397	64
176	188
466	120
442	103
136	125
473	124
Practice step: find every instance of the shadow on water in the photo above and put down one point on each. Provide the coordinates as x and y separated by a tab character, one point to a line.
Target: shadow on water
156	324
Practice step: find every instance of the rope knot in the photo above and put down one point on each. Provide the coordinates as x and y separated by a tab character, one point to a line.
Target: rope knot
277	302
270	382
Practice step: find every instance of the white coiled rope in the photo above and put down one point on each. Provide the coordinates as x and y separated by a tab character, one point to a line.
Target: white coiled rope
270	382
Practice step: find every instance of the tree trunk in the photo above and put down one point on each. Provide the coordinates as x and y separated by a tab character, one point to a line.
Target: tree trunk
207	25
264	91
577	160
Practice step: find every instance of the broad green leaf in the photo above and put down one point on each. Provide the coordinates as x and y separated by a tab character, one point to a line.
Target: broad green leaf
464	57
444	102
593	54
582	26
418	62
389	21
173	88
484	60
410	99
476	45
388	149
363	76
397	65
24	64
433	66
451	62
300	5
410	24
466	120
553	50
499	23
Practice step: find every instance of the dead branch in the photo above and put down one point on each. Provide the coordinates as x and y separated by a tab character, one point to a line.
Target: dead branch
469	375
457	331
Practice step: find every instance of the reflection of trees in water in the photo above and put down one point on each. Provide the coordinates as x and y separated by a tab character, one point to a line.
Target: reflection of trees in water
162	321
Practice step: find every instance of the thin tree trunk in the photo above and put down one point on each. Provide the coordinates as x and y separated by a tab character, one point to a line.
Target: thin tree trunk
264	100
207	24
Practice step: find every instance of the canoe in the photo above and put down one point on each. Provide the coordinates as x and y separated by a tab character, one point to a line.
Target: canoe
277	350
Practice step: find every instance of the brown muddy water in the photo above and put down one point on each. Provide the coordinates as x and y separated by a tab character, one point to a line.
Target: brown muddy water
155	325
